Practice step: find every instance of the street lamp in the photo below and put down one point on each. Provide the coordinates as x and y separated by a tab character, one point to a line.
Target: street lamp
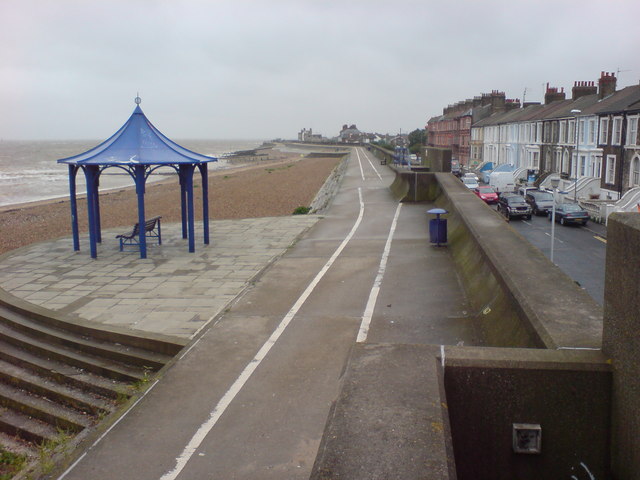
555	181
575	183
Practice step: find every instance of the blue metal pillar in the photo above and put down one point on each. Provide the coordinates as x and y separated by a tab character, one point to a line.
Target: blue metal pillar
73	169
183	199
140	181
190	213
205	201
96	199
90	173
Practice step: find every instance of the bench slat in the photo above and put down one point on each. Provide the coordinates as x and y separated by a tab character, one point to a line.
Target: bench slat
150	226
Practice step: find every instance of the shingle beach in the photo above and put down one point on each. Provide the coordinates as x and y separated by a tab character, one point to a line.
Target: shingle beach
252	188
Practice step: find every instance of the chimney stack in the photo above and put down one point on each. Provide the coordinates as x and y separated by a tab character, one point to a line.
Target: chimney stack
497	101
580	89
606	84
552	94
512	104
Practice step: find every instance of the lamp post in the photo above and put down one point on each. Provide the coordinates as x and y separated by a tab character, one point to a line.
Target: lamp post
575	183
555	181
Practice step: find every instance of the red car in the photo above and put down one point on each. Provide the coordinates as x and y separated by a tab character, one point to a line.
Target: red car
487	194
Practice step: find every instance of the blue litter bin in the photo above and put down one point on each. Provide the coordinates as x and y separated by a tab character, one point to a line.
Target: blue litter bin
438	227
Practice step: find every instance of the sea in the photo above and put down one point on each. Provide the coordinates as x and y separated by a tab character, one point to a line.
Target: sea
29	170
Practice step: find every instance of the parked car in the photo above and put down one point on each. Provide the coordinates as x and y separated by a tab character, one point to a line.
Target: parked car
455	168
471	175
525	189
470	183
541	202
513	206
486	194
567	213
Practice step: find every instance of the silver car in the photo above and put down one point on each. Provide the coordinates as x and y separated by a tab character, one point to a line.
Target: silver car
541	202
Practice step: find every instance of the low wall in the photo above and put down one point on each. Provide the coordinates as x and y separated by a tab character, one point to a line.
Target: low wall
621	339
471	397
521	299
565	393
381	154
324	196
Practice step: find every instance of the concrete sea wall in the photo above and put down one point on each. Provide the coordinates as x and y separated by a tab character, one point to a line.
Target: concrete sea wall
558	399
521	299
621	339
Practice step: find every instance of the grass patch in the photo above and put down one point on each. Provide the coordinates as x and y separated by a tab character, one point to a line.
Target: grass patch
273	169
50	448
302	210
10	464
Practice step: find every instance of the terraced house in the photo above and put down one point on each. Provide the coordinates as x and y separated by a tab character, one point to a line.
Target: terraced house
590	140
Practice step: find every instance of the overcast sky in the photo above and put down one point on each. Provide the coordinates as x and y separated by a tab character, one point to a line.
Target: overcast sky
267	68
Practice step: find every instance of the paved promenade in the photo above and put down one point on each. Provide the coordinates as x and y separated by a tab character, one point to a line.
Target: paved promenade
172	292
250	397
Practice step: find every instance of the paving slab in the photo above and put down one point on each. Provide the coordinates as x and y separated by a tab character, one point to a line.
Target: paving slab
171	292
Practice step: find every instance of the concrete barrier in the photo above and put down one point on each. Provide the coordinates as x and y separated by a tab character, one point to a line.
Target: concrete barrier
563	396
521	298
475	400
621	339
328	190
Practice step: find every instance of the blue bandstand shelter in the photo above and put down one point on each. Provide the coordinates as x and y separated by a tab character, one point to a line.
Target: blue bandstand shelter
139	149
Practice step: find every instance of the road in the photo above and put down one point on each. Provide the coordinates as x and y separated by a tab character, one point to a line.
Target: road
250	399
579	251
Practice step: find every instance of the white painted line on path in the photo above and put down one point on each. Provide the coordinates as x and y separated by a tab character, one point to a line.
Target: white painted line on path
366	155
360	163
235	388
73	465
555	238
375	290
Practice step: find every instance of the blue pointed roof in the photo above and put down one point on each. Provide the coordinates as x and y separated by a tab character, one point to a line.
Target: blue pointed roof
137	142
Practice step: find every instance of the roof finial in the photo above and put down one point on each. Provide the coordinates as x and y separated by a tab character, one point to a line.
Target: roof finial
138	99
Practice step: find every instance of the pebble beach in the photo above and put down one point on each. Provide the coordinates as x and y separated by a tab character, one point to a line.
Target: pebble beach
271	184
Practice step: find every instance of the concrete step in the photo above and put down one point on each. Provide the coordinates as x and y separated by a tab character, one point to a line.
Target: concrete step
59	416
32	430
114	351
17	446
100	366
64	373
58	393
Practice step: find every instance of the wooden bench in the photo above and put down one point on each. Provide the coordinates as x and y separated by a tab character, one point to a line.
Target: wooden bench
151	230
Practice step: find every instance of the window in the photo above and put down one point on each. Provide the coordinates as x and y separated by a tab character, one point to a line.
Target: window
565	162
611	169
634	177
632	130
547	133
604	131
581	131
616	135
563	132
539	132
583	165
596	166
572	131
556	161
592	132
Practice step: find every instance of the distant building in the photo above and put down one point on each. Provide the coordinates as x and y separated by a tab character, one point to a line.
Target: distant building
452	129
308	136
351	134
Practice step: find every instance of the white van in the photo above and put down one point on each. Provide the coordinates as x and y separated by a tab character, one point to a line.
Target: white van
502	182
